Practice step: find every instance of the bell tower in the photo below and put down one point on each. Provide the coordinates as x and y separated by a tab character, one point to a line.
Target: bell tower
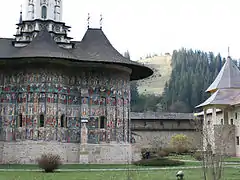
44	10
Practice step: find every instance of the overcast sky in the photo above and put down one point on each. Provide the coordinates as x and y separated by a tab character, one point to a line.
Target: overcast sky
148	26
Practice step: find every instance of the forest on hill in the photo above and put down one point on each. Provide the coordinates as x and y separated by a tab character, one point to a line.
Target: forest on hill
192	73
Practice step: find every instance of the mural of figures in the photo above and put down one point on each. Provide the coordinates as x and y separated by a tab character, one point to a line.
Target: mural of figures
33	101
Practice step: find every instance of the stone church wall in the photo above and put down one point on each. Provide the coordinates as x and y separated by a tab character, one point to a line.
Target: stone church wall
26	152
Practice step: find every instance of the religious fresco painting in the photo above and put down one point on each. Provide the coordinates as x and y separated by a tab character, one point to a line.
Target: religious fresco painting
48	105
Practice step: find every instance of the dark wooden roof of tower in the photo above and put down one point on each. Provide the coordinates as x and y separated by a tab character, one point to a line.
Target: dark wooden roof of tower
94	47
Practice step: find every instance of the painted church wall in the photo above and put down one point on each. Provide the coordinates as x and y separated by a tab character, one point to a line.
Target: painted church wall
50	104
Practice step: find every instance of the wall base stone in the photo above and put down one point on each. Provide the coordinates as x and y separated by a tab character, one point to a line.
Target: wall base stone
27	152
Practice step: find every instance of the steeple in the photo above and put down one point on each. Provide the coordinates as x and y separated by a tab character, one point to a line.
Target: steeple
44	9
228	77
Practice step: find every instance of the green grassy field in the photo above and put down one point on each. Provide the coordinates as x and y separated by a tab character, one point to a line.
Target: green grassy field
191	174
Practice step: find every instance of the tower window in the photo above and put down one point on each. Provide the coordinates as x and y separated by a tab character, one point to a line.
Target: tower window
63	122
231	121
237	138
44	12
20	120
221	121
102	122
236	115
41	120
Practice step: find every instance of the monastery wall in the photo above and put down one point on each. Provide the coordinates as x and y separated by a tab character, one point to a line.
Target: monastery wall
27	152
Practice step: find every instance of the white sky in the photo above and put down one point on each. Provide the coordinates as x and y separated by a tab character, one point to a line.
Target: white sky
148	26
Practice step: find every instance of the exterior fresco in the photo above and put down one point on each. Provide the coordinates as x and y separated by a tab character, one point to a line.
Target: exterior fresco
53	105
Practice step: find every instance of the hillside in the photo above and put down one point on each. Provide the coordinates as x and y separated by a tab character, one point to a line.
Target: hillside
162	72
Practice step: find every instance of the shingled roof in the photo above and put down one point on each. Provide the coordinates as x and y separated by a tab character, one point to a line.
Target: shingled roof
94	47
226	86
223	97
43	46
228	77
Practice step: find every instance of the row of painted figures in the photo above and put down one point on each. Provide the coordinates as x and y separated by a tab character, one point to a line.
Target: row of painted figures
62	135
59	98
116	80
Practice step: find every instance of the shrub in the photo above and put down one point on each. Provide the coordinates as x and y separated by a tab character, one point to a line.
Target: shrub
148	153
198	156
162	153
49	162
180	143
159	162
169	150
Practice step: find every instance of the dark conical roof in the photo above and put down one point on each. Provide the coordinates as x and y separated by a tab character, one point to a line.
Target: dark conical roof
96	47
43	46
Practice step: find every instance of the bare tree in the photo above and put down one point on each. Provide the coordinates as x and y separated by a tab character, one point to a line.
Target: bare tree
217	141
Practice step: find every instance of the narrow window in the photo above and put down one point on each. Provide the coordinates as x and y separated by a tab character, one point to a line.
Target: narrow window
20	120
208	122
145	123
63	122
231	121
221	121
178	123
44	12
102	122
41	120
237	140
235	115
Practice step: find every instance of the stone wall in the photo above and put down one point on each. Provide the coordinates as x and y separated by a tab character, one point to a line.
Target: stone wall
163	138
26	152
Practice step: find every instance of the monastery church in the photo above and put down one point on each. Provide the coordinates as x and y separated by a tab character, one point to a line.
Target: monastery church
66	97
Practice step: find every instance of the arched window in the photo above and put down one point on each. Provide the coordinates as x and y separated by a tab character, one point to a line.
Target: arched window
44	12
63	122
20	120
41	120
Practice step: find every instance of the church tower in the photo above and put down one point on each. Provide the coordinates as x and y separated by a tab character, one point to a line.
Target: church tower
44	9
42	14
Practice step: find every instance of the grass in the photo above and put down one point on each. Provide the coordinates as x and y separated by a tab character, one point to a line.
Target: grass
85	166
68	166
193	174
189	157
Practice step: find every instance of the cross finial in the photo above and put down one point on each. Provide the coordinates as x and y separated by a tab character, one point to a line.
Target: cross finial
20	19
88	19
101	18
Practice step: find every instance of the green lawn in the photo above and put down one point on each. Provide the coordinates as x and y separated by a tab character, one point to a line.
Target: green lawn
193	174
68	166
189	157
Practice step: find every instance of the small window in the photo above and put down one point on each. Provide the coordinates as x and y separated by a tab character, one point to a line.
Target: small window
63	121
221	121
44	12
236	115
208	123
41	120
231	121
145	123
237	138
102	122
20	120
161	123
178	123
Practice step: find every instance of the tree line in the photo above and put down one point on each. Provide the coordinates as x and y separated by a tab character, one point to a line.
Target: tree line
192	72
